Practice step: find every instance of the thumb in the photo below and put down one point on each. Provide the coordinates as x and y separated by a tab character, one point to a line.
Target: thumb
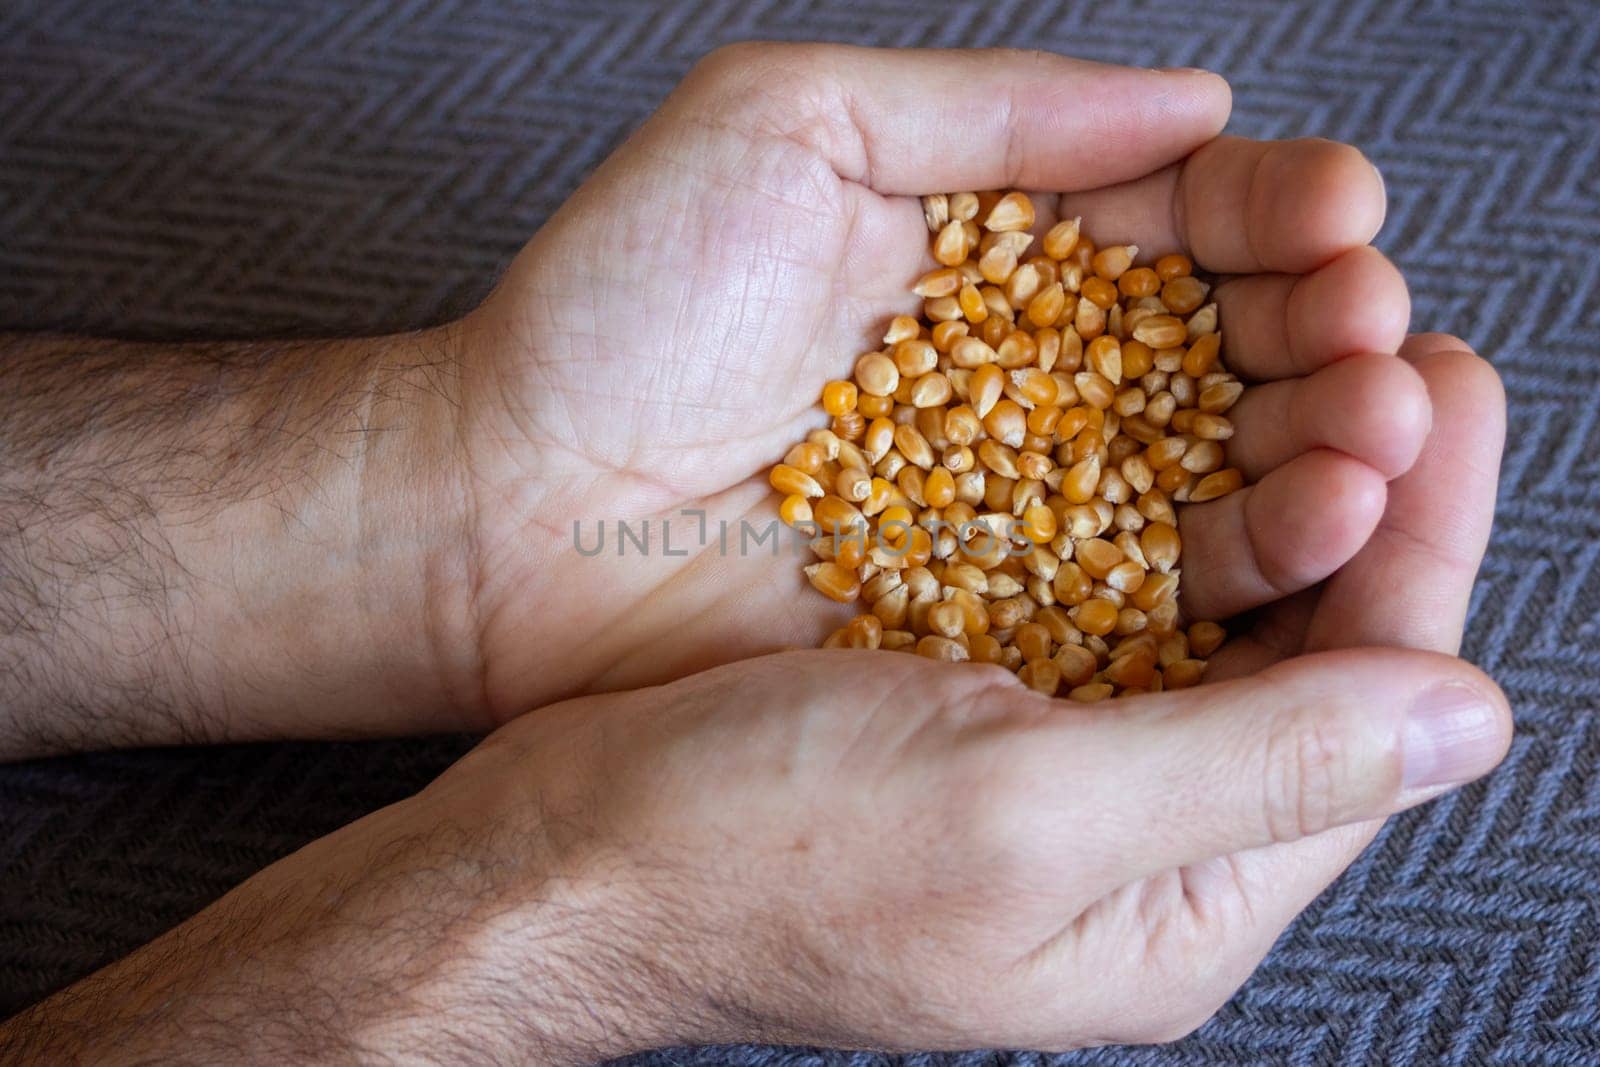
1305	746
906	121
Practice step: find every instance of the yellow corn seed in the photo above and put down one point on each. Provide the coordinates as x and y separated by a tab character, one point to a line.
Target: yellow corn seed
1000	481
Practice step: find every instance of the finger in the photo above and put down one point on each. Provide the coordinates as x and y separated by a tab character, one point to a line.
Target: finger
1242	207
1306	746
1276	633
1373	408
913	121
1287	325
1411	584
1298	525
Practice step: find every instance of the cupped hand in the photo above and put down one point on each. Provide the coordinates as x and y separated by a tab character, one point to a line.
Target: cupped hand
663	340
863	848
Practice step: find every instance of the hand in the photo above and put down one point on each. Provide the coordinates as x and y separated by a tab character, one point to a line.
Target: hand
865	849
662	341
1409	586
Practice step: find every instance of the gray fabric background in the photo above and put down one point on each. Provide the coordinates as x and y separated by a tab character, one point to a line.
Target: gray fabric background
252	166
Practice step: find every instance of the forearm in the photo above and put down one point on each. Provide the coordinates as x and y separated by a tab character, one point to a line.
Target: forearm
228	540
411	936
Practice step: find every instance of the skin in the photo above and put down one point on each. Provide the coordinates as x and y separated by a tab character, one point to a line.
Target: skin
758	250
686	839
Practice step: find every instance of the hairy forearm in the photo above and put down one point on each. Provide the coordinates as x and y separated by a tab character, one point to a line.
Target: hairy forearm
408	937
226	540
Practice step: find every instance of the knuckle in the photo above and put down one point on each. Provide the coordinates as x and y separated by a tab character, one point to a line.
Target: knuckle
728	77
1482	374
789	91
1280	562
745	63
995	817
1335	153
1390	411
1372	266
1305	760
998	827
1387	286
732	61
1179	1013
1037	60
1435	342
1437	339
1451	357
1179	1025
1198	980
1467	364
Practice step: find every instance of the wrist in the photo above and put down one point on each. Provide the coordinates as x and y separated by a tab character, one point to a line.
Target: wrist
586	953
343	586
231	540
439	926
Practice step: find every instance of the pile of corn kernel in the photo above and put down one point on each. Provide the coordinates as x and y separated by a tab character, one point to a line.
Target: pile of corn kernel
999	482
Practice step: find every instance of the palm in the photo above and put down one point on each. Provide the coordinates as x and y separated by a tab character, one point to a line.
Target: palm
691	367
700	351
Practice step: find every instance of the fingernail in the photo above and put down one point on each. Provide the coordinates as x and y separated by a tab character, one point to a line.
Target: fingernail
1452	736
1383	186
1183	70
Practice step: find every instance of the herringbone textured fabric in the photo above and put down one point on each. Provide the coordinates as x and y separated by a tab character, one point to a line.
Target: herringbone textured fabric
186	168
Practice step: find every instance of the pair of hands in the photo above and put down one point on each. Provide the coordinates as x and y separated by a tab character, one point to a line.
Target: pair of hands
693	840
868	849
